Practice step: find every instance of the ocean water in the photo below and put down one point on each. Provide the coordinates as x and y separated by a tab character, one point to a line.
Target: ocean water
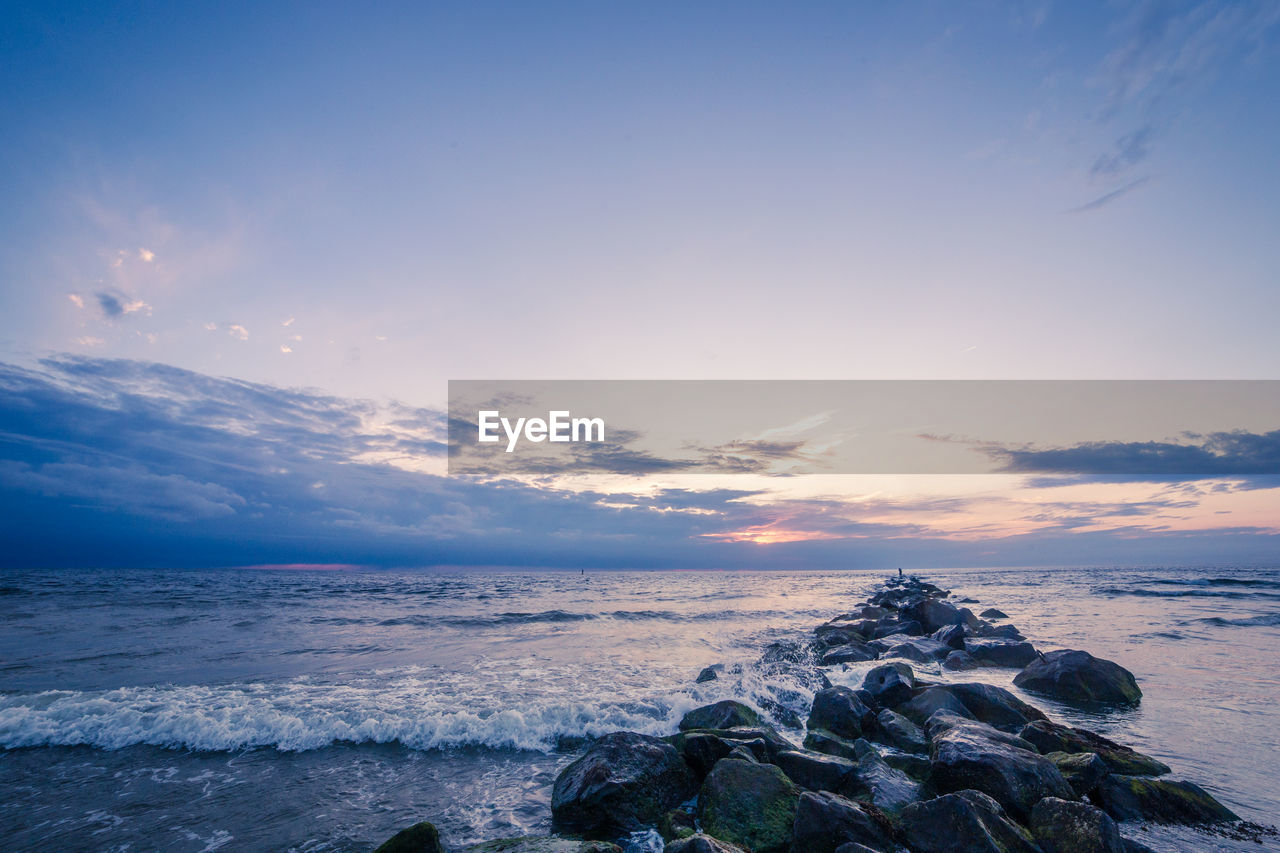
316	711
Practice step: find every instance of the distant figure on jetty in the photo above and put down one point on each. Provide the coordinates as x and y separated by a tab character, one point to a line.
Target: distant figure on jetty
899	573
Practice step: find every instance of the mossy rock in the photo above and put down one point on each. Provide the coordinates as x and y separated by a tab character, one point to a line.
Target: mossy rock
1159	801
727	714
751	805
419	838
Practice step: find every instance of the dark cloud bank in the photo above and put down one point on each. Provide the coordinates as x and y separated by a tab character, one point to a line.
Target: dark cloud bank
122	463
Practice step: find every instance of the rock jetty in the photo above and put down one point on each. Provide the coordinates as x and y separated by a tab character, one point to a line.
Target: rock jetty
899	763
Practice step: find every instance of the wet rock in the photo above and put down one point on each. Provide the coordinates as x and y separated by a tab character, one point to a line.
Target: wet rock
1076	676
919	649
899	732
752	805
1050	737
960	661
419	838
755	738
963	822
894	625
726	714
840	711
624	782
890	685
853	652
931	700
933	614
1159	801
971	755
1082	770
702	750
825	821
702	844
995	705
815	770
855	847
951	636
542	844
888	789
993	613
830	744
915	766
1006	632
1000	652
1062	826
709	673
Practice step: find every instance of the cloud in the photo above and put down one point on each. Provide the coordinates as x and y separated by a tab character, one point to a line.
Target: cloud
115	304
285	348
146	255
238	331
1219	454
1107	198
1130	150
76	299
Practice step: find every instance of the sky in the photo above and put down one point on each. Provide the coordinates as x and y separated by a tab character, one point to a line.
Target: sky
244	247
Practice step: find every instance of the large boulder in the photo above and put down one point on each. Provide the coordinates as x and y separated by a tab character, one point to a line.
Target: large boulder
839	710
960	661
830	744
971	755
1082	770
933	613
751	805
700	843
852	652
899	732
1000	652
1076	676
419	838
963	822
1159	801
815	770
726	714
1050	737
1062	826
932	700
918	649
951	636
995	705
889	789
701	751
825	821
891	684
624	782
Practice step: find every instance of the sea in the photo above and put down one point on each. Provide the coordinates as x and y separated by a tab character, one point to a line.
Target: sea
312	710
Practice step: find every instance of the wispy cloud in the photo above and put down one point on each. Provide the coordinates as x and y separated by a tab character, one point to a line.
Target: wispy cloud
1106	198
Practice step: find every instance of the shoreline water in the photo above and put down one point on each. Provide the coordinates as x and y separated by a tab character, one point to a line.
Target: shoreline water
647	664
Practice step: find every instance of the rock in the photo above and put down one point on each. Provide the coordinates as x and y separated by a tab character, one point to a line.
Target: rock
702	844
701	751
840	711
744	752
855	847
960	660
933	614
993	613
888	789
1010	653
895	625
1006	632
890	685
726	714
815	770
419	838
829	744
963	822
542	844
995	705
1159	801
624	782
752	805
900	733
1076	676
1082	770
1050	737
825	821
710	673
1061	826
1131	846
944	721
919	649
853	652
951	636
675	824
931	700
971	755
915	766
